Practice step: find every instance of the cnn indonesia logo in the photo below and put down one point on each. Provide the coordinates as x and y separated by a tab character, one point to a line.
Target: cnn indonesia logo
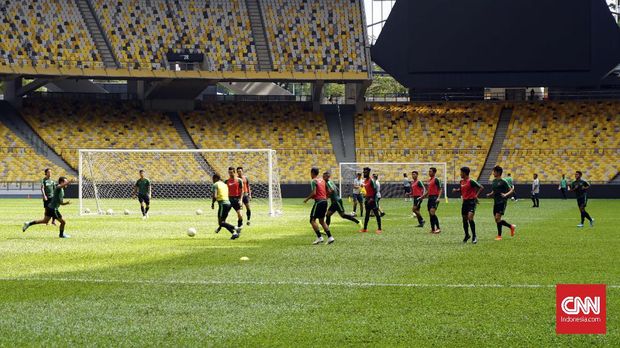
581	309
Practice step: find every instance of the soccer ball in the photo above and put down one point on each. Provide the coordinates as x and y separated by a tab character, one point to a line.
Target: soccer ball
199	212
244	258
87	211
110	212
127	212
191	232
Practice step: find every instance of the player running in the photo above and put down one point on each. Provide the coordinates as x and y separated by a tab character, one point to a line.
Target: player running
220	195
247	193
336	202
470	189
47	190
51	211
418	191
511	183
235	191
501	191
357	194
370	202
580	187
433	193
406	187
319	194
142	189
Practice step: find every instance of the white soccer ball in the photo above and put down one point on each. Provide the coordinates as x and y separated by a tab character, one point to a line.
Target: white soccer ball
199	212
87	211
191	232
244	258
110	211
127	212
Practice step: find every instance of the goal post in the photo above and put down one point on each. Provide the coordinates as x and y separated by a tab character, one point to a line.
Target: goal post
391	176
107	178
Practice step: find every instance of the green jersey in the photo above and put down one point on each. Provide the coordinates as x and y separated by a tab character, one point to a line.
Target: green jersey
500	186
579	186
49	186
335	195
57	199
509	181
143	186
563	183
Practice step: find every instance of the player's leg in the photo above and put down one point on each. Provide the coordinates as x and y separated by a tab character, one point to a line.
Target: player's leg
61	228
375	208
321	210
315	225
355	205
466	228
236	205
472	226
45	220
248	211
533	200
360	200
223	211
381	212
537	201
147	205
366	217
341	212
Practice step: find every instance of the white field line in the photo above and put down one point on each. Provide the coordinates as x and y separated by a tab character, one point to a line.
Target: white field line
345	284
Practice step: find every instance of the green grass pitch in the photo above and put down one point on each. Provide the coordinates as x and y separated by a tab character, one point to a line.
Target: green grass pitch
122	281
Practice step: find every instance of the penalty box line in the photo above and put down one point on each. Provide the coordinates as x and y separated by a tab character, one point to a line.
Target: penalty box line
287	283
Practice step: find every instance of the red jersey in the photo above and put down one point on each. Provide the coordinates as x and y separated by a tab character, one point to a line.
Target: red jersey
235	187
434	186
370	187
417	188
320	194
246	184
469	189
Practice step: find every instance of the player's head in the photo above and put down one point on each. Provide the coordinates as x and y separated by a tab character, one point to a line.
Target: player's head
359	175
327	176
62	180
231	172
48	173
498	171
314	172
535	176
405	175
432	171
465	172
578	174
509	174
240	171
216	177
414	175
375	176
366	172
141	172
563	176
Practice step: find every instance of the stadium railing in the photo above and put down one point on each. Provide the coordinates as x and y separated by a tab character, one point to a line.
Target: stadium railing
560	152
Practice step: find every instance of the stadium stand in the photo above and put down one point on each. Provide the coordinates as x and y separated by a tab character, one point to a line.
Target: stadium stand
301	138
45	33
456	133
555	138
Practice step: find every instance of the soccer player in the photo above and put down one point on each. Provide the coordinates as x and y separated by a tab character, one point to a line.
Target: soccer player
247	194
418	191
406	187
470	189
580	187
51	211
563	186
47	190
370	201
378	194
433	193
142	189
319	209
235	190
336	202
357	195
220	195
514	191
535	192
501	191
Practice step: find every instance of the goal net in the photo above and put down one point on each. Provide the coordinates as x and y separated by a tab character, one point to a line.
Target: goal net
391	176
180	179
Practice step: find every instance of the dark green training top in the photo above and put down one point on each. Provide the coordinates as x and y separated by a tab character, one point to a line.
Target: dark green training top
143	186
500	186
59	195
579	187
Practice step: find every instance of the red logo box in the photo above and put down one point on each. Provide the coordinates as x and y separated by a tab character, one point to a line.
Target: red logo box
580	309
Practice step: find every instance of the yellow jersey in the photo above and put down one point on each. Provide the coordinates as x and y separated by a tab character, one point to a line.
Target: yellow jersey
220	191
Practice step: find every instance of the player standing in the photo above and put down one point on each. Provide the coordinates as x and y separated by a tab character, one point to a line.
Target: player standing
142	189
501	191
51	211
563	186
319	194
580	187
336	202
470	189
433	193
378	194
535	192
357	195
511	183
235	190
406	187
418	191
247	193
47	190
220	195
370	202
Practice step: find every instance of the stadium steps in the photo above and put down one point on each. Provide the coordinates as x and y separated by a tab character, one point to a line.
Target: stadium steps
341	125
265	63
96	32
616	179
496	146
13	120
188	141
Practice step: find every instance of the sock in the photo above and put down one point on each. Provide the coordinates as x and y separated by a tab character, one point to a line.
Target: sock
366	219
533	201
466	227
146	210
62	231
142	210
328	233
472	224
583	217
349	217
419	218
436	221
537	202
248	214
328	220
499	229
504	223
228	226
587	216
239	222
378	216
318	233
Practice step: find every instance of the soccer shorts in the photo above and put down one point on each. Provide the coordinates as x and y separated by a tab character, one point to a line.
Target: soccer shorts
417	201
319	209
407	190
433	202
582	201
336	207
469	206
499	208
370	204
358	197
235	203
45	203
142	198
53	213
223	210
246	198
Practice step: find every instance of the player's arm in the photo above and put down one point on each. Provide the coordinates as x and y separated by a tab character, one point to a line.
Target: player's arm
438	182
313	185
135	190
425	193
374	186
249	187
585	186
474	183
150	190
511	190
43	191
213	199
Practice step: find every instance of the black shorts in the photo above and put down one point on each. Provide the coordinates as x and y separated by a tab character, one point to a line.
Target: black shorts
246	198
417	202
53	213
45	203
407	189
319	209
142	198
358	197
235	203
370	204
433	202
223	210
582	201
499	208
336	207
469	206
